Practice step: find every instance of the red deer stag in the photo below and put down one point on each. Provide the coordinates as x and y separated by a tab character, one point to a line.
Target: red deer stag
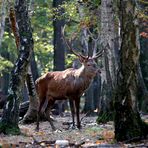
68	84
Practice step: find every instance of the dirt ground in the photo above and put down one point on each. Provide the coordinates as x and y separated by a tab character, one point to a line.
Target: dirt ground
91	135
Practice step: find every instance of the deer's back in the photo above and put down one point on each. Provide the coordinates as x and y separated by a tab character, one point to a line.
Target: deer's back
61	84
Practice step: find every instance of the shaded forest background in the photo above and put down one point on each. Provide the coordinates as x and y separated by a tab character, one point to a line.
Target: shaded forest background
97	24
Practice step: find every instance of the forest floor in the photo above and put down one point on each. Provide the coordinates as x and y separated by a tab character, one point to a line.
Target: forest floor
91	135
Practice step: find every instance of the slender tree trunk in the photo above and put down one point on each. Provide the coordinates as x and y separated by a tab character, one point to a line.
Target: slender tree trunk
128	124
31	114
34	69
90	46
89	94
59	48
33	105
2	21
109	60
142	93
10	118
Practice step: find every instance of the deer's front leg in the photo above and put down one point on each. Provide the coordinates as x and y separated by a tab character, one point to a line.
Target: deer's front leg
77	105
72	108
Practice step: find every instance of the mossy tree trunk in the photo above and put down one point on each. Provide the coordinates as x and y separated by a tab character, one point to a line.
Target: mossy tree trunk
128	124
10	117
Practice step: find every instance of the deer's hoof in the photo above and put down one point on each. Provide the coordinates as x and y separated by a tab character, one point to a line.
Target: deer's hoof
79	127
37	129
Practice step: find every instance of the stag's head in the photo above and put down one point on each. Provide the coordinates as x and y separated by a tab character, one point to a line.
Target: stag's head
88	62
89	65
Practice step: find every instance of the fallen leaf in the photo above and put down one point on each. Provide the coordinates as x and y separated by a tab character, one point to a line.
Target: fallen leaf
108	134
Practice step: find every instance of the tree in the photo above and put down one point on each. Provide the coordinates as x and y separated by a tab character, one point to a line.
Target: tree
109	61
30	86
4	62
2	20
89	41
59	48
10	117
143	23
128	124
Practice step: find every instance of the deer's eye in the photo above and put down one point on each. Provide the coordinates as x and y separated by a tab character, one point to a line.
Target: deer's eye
88	64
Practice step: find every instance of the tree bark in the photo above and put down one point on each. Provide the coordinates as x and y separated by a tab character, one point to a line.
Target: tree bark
2	21
10	117
30	86
59	48
128	124
143	23
31	113
108	73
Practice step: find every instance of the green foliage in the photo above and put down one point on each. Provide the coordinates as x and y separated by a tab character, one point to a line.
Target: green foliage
69	59
42	16
8	47
5	65
70	12
43	34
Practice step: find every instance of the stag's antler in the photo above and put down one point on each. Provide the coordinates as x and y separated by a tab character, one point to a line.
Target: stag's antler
69	44
95	40
99	53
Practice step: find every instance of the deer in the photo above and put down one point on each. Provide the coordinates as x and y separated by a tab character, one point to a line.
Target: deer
67	84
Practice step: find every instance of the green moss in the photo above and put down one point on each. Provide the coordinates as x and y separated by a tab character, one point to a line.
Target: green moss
9	129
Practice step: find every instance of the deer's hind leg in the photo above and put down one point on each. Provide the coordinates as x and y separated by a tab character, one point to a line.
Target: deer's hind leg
48	111
42	106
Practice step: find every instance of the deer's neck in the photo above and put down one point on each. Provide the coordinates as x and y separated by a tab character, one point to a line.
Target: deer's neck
82	72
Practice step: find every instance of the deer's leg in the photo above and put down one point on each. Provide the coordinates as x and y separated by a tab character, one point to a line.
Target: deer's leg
48	111
42	106
72	108
77	105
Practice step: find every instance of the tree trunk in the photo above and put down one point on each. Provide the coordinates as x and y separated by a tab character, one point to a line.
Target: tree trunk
142	93
31	113
143	57
109	60
10	117
128	124
34	69
33	106
2	21
59	48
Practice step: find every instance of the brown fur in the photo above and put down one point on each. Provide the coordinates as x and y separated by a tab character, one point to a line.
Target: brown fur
68	84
